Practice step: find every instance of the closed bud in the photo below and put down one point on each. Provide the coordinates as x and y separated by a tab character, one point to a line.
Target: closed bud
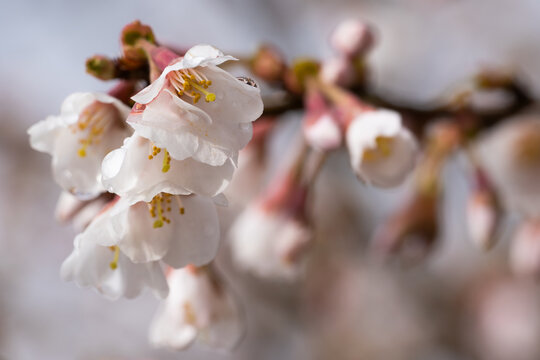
482	216
352	38
101	67
132	33
269	64
295	78
338	71
525	249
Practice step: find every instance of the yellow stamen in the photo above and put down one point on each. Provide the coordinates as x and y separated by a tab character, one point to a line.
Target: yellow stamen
166	162
383	148
114	264
159	222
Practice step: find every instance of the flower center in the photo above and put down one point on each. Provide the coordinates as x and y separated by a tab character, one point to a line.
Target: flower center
193	84
166	157
160	205
383	148
93	121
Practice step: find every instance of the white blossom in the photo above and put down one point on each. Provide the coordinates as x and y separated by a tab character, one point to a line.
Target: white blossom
211	130
88	127
382	152
198	306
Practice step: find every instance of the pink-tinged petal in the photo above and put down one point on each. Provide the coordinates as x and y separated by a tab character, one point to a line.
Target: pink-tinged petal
196	232
199	55
525	250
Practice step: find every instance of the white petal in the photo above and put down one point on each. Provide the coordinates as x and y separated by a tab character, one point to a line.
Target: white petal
196	239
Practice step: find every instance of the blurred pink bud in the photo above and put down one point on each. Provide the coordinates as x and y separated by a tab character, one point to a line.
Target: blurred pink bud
352	38
338	71
482	216
525	249
321	129
269	64
323	132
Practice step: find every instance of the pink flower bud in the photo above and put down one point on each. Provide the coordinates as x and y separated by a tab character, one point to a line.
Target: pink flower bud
352	38
338	71
482	216
525	249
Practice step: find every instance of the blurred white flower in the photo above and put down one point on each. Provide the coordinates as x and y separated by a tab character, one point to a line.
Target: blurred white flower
88	127
211	131
510	154
525	249
381	150
352	38
269	243
198	306
140	169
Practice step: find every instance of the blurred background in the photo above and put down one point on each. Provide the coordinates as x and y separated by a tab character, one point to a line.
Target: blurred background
458	304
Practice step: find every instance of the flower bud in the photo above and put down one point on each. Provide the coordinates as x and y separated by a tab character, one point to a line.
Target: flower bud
132	33
295	77
321	128
352	38
269	64
101	67
482	216
382	151
338	71
525	249
411	231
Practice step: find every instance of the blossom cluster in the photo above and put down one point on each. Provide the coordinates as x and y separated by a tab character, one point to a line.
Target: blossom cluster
143	171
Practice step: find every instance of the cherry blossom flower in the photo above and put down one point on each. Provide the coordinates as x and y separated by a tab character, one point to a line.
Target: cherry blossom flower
88	127
198	307
382	151
140	169
195	109
510	154
178	230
